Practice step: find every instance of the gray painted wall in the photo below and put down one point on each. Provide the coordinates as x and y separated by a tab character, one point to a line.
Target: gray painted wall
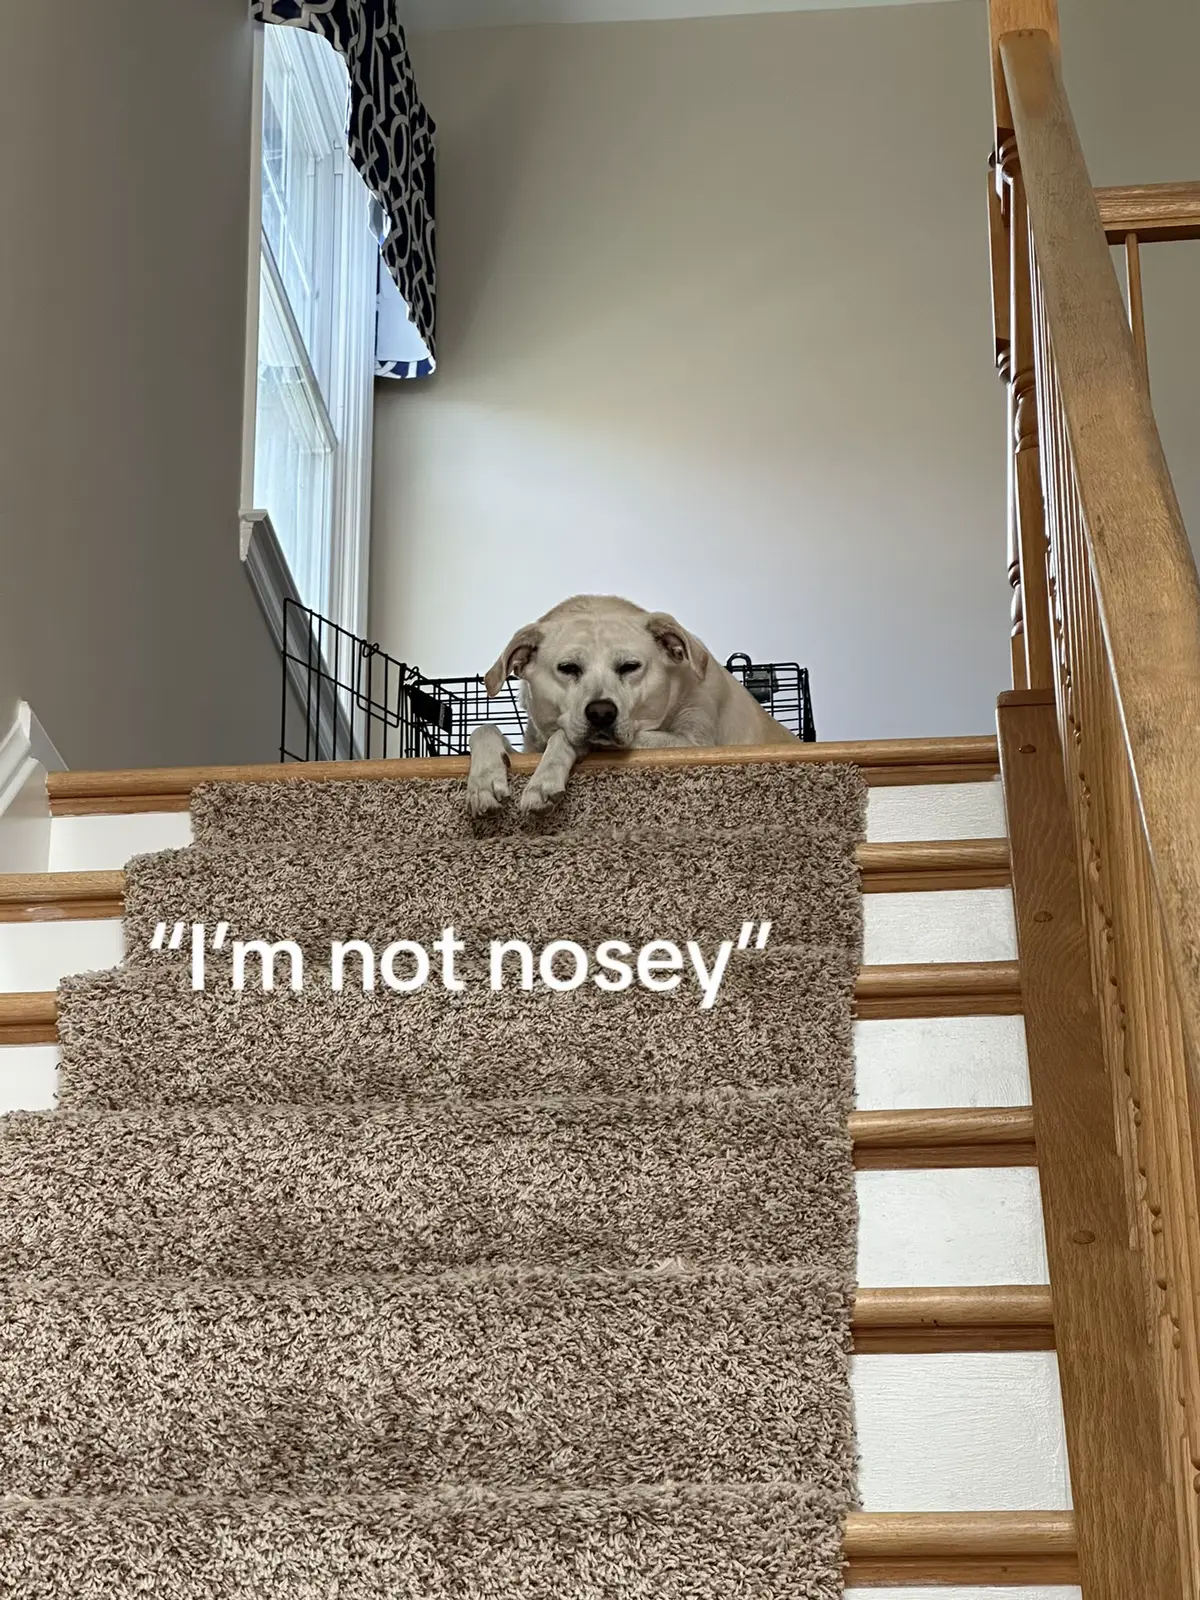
715	333
125	617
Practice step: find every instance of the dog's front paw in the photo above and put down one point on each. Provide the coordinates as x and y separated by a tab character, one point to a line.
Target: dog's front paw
487	787
487	779
541	793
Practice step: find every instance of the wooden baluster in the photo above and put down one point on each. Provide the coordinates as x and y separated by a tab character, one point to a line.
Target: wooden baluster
1028	610
1137	313
1020	673
1027	514
1001	311
998	235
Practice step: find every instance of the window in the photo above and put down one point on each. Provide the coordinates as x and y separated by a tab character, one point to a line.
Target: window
314	332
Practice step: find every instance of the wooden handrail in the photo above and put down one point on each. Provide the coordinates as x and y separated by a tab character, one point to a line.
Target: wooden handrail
1144	570
1006	16
1152	211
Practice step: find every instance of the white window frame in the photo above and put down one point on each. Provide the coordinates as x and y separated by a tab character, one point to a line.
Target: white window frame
348	359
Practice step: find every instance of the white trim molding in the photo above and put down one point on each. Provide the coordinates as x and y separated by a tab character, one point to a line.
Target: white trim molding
26	745
253	271
334	354
27	754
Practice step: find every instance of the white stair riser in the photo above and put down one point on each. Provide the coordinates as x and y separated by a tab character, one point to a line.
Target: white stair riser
931	811
911	1062
939	925
105	844
901	1063
35	955
937	811
951	925
960	1225
970	1432
28	1075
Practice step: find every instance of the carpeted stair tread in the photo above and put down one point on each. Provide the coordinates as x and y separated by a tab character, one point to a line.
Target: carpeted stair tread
374	814
509	1378
698	886
140	1036
669	1542
588	1182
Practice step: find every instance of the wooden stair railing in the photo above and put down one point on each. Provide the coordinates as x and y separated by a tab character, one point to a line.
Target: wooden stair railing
1100	750
1150	211
1138	214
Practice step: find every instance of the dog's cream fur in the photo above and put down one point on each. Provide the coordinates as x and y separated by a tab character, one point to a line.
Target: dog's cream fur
666	687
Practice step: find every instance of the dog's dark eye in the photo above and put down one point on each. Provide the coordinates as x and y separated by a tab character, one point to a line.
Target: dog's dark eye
569	669
627	667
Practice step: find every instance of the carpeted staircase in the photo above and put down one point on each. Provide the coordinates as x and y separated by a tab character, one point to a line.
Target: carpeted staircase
474	1294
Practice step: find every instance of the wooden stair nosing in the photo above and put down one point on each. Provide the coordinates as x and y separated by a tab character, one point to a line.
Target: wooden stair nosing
935	1320
61	896
938	989
893	868
882	761
159	802
885	868
30	1017
963	1547
970	1136
979	988
972	1548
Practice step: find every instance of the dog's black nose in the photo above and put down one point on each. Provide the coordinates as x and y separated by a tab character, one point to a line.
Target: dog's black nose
600	713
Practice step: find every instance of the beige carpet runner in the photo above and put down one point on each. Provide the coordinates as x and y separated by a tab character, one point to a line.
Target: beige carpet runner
459	1293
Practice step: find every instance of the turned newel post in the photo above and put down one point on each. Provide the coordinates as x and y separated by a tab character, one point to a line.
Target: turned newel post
1017	366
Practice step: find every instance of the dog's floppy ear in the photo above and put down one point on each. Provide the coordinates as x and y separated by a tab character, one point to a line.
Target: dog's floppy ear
518	653
677	642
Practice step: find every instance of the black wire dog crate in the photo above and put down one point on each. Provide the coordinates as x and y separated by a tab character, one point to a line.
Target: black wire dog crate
347	700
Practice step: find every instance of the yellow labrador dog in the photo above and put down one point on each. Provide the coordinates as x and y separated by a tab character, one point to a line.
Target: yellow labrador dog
598	672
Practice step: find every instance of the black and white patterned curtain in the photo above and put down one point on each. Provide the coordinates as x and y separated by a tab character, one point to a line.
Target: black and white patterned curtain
391	140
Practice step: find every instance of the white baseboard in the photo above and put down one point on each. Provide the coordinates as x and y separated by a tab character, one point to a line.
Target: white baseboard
27	754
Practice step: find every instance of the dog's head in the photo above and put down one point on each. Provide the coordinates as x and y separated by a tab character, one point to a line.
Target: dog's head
601	671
